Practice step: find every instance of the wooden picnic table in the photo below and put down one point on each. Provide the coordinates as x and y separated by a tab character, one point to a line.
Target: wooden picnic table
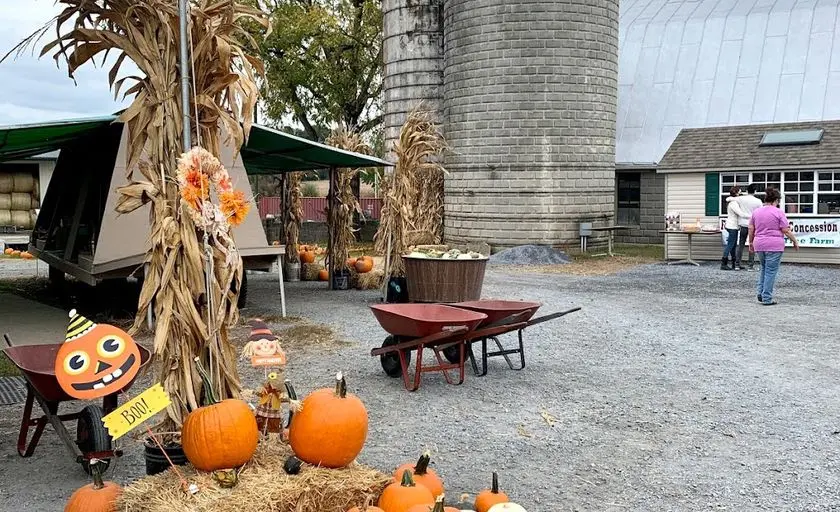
690	234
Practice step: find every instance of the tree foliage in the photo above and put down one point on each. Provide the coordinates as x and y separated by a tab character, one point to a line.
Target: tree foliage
323	64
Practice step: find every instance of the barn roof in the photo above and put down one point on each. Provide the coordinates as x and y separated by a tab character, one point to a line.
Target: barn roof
712	63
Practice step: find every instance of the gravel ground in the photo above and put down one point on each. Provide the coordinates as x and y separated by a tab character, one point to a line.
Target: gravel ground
672	390
530	255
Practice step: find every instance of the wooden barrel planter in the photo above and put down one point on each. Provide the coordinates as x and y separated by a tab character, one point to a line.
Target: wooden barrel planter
444	280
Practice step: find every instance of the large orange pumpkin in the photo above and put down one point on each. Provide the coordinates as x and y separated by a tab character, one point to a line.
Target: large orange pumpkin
222	435
95	359
489	497
364	264
323	275
331	428
367	508
422	475
401	496
96	497
8	251
438	506
351	262
307	257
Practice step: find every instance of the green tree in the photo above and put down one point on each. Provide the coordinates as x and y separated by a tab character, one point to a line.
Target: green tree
323	64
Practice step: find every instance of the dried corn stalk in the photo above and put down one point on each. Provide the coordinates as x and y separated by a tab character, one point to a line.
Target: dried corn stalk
340	220
412	205
295	210
146	32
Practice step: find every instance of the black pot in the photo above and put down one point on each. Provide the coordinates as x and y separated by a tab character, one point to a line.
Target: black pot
341	279
156	461
397	291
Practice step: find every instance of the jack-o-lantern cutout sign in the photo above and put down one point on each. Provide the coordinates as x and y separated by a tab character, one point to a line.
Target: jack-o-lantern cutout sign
95	359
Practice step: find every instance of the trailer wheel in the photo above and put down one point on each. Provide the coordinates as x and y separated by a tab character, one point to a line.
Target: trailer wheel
56	276
92	436
391	361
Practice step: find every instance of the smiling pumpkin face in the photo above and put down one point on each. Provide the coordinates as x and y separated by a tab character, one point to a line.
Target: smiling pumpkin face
97	360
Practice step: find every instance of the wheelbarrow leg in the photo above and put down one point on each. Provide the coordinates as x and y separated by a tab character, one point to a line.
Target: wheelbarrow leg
521	351
504	353
39	424
418	368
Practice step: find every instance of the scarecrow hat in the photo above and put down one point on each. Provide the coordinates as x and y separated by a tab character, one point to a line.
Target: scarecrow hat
78	326
260	331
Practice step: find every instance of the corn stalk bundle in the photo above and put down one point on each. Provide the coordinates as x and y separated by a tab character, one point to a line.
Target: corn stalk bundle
340	220
177	285
295	209
412	205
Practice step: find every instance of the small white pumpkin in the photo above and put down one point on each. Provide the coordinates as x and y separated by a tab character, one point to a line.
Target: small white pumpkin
507	507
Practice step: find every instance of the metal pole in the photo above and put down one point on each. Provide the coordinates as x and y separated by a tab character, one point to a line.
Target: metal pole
183	13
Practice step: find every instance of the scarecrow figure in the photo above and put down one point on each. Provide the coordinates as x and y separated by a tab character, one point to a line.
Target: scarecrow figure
263	348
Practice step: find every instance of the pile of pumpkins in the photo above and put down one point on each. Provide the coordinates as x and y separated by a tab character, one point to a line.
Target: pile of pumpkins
18	254
224	435
417	488
308	253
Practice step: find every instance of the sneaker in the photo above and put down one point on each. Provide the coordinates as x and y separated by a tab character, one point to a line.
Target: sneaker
750	269
759	298
771	303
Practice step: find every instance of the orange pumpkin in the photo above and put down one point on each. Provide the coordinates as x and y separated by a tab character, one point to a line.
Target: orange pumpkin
422	475
489	497
437	506
364	264
351	262
26	255
323	275
96	497
401	496
367	508
8	251
331	428
95	359
16	253
307	257
222	435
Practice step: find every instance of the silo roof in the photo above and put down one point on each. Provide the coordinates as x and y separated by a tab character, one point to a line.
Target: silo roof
713	63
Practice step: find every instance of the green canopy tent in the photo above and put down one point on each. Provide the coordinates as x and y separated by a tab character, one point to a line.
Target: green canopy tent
79	206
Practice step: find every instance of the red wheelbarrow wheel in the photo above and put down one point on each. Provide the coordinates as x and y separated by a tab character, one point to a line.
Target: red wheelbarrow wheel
92	436
391	361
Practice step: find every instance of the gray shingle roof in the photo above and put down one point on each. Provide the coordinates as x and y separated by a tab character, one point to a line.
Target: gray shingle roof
737	147
701	63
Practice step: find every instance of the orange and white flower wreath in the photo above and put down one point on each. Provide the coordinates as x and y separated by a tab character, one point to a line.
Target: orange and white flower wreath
199	172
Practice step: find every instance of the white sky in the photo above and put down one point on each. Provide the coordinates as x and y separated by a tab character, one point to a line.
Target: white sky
35	90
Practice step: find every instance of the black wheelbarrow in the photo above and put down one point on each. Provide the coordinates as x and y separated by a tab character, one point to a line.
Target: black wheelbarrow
37	363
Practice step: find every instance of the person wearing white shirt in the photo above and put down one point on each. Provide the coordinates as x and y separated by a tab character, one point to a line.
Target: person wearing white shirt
733	216
748	203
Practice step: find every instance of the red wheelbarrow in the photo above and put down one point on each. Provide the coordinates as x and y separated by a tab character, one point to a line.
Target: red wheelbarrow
503	316
37	363
416	327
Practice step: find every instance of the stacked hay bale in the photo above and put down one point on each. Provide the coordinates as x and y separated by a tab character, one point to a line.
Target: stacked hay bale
19	197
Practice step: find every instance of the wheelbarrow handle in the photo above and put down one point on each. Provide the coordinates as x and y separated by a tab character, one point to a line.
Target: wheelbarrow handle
552	316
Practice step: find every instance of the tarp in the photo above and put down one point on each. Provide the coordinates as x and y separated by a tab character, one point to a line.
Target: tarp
267	151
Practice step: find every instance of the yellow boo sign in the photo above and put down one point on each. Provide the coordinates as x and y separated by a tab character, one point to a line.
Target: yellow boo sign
136	411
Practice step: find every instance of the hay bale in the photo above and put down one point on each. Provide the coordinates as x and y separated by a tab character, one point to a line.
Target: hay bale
7	183
353	280
23	182
5	201
263	486
371	280
36	191
309	271
23	219
5	218
21	201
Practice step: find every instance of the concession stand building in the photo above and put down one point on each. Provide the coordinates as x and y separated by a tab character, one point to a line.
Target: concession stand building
801	160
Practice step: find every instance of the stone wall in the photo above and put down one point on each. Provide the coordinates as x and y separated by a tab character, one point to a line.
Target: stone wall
652	212
530	93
